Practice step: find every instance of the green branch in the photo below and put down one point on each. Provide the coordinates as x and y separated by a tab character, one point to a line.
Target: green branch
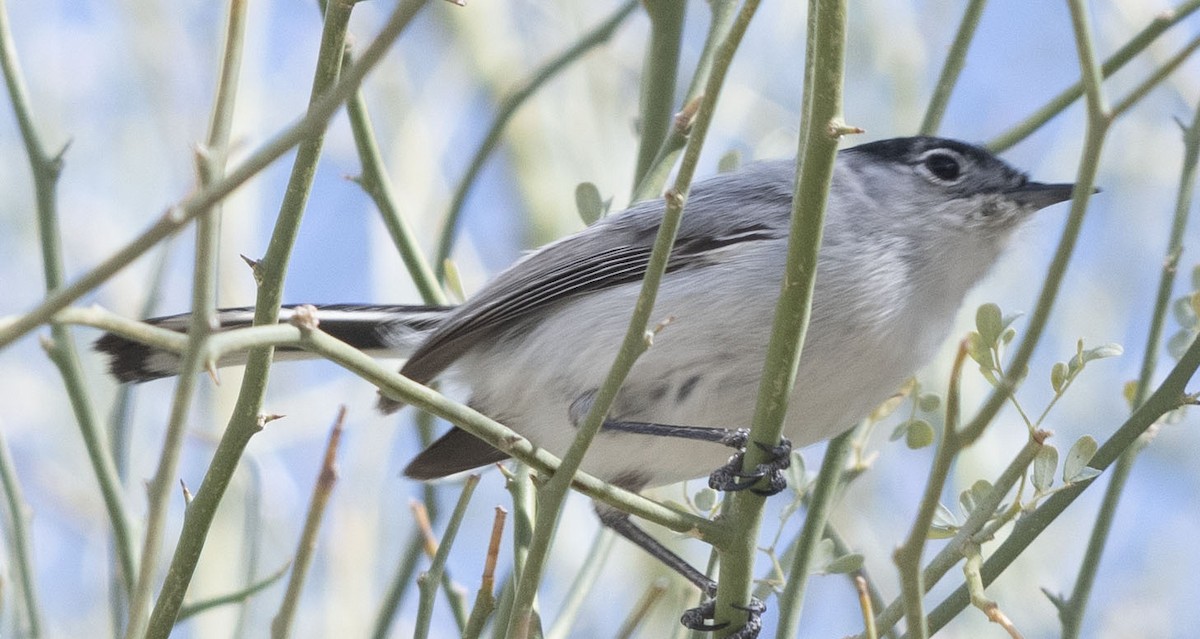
1163	21
281	625
246	420
658	80
956	59
210	164
430	581
1171	394
814	171
1072	609
636	341
829	480
60	347
655	176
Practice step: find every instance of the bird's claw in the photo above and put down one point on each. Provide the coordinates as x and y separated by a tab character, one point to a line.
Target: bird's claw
731	477
701	618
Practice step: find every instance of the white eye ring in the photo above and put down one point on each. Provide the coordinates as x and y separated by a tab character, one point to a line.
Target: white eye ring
942	166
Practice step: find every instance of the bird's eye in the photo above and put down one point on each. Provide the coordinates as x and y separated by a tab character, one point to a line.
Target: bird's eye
942	166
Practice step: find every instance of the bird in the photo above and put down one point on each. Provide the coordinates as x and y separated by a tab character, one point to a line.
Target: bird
912	225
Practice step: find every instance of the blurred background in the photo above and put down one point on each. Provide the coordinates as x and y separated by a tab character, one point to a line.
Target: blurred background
128	86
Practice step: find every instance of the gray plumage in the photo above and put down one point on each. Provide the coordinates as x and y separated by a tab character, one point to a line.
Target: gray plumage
912	224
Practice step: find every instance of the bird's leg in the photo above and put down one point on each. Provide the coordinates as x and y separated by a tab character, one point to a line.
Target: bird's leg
701	617
729	477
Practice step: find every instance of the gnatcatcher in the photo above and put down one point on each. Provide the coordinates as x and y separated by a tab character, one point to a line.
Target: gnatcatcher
912	224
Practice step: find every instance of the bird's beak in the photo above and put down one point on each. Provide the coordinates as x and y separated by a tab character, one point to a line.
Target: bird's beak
1040	195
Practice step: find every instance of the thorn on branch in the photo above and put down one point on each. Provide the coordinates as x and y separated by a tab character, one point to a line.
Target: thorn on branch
838	129
255	268
266	418
686	116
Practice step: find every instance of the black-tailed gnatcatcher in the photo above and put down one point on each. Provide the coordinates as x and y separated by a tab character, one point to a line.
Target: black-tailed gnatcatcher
912	225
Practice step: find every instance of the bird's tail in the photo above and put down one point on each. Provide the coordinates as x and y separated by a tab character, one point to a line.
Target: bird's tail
385	331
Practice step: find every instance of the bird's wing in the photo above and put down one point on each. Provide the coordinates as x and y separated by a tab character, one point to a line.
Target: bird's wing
613	252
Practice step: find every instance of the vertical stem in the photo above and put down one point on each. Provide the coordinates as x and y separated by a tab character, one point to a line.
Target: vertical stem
18	519
791	601
61	347
658	80
281	625
814	172
210	162
430	580
551	496
956	59
272	269
1072	610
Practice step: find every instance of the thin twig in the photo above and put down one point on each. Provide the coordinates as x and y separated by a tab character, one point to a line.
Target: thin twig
485	597
956	59
429	582
551	496
660	68
653	594
46	168
596	557
238	596
18	529
281	625
908	555
210	164
829	478
1138	43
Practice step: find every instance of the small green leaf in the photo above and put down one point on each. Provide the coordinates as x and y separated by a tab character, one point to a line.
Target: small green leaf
1196	277
969	499
929	402
796	473
1184	313
730	161
823	554
847	563
1044	465
1103	351
980	351
1058	376
1008	335
919	435
989	323
1077	458
900	430
1179	343
705	499
944	525
1086	473
588	202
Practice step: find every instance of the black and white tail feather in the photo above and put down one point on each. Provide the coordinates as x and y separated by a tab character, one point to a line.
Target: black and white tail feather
390	331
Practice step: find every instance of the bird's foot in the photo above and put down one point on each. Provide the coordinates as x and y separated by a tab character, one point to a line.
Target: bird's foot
731	477
701	618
